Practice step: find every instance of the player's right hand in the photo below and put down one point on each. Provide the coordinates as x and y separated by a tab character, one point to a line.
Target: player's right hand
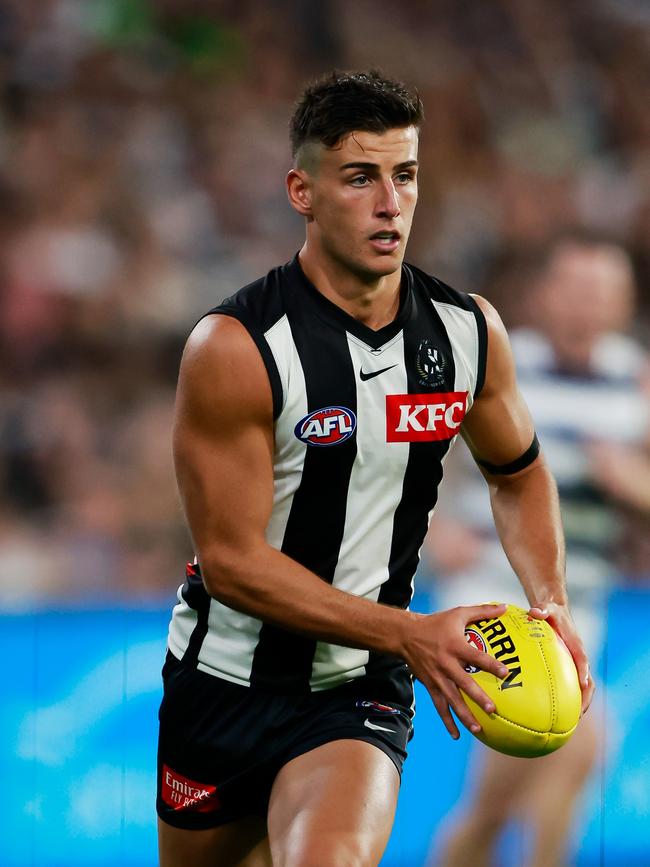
437	652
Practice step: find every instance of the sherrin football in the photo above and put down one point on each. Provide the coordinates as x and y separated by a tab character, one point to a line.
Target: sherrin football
538	702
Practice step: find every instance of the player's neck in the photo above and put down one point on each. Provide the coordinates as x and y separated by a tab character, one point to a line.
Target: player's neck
374	302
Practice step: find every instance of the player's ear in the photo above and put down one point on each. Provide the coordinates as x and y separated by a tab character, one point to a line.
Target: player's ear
299	191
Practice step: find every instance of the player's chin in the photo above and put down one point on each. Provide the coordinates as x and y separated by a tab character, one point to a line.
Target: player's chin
381	264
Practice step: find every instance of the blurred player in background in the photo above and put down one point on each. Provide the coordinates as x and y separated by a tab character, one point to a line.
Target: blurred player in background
584	381
314	411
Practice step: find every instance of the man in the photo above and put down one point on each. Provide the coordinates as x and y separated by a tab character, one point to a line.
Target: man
314	409
582	376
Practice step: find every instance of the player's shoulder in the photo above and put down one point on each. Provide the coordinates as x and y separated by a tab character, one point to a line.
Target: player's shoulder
621	356
231	339
221	366
215	343
437	290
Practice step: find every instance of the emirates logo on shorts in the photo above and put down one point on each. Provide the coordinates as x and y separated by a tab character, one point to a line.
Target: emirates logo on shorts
181	793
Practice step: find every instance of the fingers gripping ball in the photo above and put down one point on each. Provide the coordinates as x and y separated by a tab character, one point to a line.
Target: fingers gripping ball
538	703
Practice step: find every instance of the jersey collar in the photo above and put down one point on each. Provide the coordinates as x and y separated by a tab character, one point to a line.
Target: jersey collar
335	315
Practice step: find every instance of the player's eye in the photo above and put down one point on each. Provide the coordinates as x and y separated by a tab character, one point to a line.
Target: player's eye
404	177
360	180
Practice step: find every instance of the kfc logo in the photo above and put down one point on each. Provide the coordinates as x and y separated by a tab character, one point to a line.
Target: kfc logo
424	417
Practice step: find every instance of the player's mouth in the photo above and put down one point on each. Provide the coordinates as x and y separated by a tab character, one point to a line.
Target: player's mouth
385	241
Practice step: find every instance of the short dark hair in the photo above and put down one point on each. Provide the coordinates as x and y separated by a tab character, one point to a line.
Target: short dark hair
340	102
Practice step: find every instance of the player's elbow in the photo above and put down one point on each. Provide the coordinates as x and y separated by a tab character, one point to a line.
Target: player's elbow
226	574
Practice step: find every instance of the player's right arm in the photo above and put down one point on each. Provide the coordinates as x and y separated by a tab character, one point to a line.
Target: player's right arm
223	451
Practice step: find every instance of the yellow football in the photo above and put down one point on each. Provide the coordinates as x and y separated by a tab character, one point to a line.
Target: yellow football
538	703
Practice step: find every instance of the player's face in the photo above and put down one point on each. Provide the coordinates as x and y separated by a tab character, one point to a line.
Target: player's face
363	195
586	292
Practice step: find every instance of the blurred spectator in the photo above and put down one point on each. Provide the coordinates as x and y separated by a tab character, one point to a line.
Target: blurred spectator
583	379
133	198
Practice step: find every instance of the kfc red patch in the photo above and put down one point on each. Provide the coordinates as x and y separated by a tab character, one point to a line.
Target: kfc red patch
424	417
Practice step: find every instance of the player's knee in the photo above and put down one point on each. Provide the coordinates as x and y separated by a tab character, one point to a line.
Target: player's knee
486	820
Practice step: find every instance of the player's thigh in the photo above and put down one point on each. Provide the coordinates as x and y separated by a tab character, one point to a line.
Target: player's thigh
333	805
243	843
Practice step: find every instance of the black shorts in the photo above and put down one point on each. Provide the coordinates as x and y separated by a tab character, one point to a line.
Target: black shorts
221	745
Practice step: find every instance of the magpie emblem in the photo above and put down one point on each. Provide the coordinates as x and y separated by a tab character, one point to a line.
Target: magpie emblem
430	364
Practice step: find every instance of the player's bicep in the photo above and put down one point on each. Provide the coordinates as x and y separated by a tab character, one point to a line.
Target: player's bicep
223	440
498	429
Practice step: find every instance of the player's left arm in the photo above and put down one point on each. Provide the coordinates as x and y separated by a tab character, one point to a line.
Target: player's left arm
500	434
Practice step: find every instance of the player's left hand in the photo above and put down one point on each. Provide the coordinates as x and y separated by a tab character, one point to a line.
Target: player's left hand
561	620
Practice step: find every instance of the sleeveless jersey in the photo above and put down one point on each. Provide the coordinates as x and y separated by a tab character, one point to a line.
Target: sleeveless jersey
363	421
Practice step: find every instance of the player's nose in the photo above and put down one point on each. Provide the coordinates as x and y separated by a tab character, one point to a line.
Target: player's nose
387	201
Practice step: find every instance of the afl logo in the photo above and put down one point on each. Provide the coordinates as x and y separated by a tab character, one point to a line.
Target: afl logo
476	640
326	427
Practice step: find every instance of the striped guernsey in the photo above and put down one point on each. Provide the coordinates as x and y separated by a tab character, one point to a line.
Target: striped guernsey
363	422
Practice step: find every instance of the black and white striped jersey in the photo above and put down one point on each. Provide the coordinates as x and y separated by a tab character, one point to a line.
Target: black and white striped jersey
363	421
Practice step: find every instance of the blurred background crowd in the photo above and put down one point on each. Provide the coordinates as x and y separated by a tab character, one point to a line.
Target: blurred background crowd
143	147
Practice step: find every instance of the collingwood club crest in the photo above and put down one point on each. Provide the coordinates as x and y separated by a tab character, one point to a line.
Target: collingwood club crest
429	364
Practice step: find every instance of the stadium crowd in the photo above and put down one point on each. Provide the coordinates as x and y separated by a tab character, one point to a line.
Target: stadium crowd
142	150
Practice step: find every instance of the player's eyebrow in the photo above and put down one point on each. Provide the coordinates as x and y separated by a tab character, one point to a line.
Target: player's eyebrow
369	167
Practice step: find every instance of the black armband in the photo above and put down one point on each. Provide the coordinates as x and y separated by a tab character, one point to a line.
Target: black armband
519	463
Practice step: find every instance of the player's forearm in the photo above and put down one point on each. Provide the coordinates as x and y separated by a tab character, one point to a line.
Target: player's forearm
266	584
527	517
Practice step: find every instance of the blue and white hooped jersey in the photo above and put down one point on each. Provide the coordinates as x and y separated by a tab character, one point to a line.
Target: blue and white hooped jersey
363	422
604	404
